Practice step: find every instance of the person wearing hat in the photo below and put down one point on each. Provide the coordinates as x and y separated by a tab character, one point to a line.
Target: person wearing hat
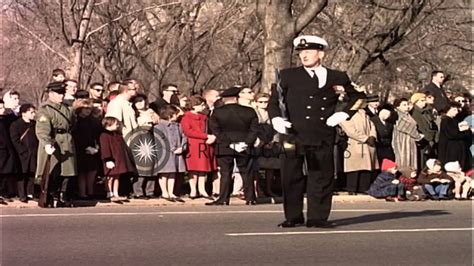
386	185
303	109
235	127
426	125
373	104
360	157
56	145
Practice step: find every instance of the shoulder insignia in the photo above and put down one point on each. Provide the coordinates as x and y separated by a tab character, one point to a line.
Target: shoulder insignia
43	118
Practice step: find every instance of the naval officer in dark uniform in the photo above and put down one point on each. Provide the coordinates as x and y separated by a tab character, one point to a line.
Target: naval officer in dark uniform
235	127
303	110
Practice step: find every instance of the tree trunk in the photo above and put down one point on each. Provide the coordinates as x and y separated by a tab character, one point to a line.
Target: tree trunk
277	55
75	55
75	59
280	27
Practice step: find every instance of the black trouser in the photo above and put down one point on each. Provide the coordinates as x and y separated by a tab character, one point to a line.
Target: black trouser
140	183
226	165
359	181
318	183
58	183
25	185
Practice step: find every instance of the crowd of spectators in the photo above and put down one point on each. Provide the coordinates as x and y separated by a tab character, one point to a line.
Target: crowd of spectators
416	148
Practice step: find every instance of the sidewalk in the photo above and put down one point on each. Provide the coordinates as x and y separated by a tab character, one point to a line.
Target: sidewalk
188	202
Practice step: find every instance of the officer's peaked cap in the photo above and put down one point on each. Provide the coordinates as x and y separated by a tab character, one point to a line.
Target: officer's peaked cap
232	91
309	42
58	87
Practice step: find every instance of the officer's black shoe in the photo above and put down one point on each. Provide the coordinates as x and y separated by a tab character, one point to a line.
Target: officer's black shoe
49	201
216	203
289	224
63	202
251	202
320	224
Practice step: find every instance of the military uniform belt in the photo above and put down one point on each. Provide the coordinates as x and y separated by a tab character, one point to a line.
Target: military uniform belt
61	131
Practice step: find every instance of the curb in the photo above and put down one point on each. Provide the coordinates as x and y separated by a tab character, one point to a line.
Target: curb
188	202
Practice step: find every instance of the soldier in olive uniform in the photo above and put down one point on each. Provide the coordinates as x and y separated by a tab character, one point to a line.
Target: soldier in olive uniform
53	129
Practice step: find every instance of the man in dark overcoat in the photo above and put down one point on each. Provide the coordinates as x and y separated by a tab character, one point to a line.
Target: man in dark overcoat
435	89
235	127
303	110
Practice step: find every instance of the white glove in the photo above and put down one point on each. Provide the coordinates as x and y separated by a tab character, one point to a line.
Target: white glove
463	126
49	149
257	142
395	181
336	118
91	150
280	125
238	147
110	165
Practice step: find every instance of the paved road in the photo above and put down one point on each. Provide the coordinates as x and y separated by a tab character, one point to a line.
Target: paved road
375	233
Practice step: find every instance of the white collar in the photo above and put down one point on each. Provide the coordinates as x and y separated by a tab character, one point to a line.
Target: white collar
321	73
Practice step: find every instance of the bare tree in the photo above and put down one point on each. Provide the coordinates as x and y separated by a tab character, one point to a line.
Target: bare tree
382	44
280	26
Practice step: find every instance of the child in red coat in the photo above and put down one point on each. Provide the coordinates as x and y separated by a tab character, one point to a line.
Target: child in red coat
115	155
199	158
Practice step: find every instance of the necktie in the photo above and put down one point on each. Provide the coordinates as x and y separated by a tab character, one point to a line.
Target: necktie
315	78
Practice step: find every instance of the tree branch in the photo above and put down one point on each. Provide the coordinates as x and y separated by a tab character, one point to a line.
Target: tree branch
63	28
311	10
393	8
127	15
85	19
40	40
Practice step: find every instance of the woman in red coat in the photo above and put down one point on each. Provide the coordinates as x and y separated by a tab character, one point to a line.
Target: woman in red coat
200	157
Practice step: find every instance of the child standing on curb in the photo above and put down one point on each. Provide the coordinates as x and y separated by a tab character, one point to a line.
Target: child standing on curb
173	134
115	155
